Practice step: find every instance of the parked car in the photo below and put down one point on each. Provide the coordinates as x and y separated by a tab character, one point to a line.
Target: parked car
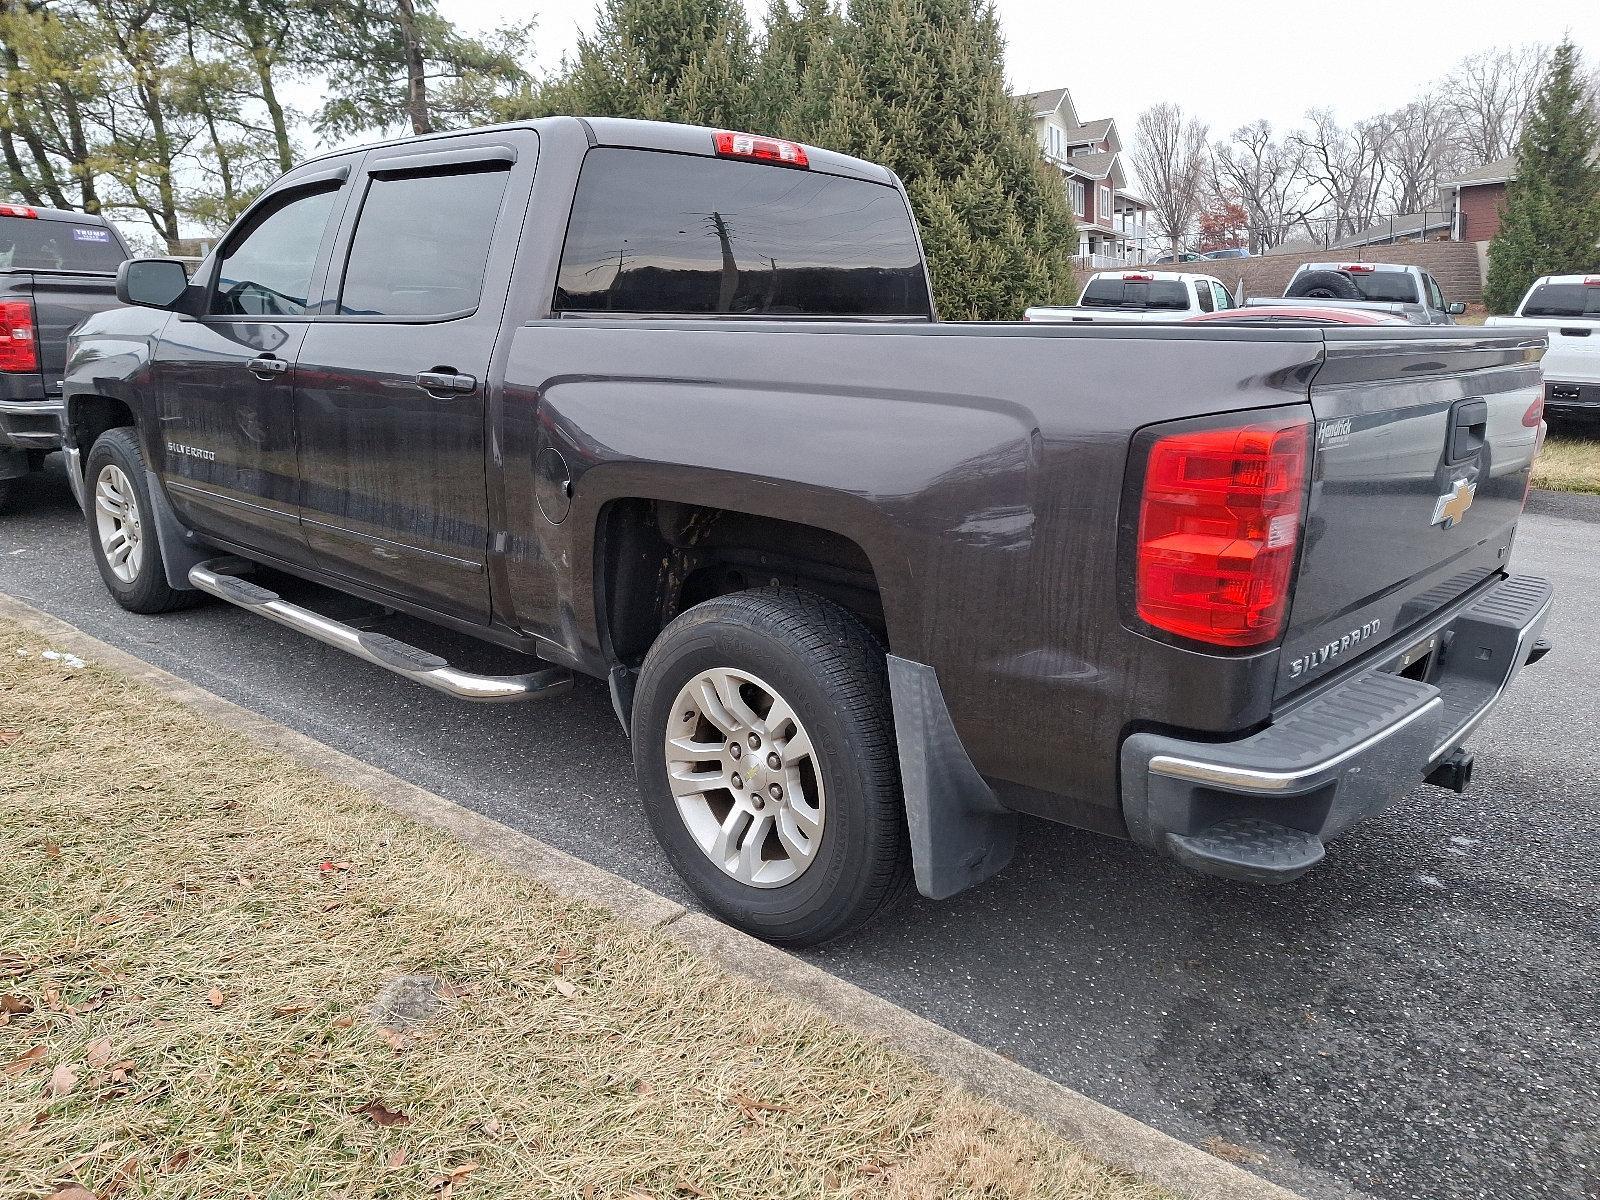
670	407
1403	290
56	268
1296	315
1228	252
1183	256
1567	309
1139	296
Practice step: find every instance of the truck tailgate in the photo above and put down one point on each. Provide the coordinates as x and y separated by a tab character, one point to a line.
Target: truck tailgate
1422	452
62	300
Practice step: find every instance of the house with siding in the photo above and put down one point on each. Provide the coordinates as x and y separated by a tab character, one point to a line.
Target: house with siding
1478	198
1113	221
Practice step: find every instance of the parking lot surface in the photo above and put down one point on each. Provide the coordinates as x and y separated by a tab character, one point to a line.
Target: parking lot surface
1418	1018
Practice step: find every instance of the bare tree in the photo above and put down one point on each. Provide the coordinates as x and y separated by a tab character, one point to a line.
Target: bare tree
1490	95
1349	167
1170	158
1266	175
1424	147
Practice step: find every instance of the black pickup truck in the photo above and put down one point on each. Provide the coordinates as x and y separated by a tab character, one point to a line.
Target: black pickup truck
670	407
56	268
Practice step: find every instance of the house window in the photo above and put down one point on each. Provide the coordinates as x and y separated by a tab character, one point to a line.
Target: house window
1078	196
1103	205
1055	141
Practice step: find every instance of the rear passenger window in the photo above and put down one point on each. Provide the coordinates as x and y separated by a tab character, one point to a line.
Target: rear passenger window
422	243
1224	297
682	234
1202	293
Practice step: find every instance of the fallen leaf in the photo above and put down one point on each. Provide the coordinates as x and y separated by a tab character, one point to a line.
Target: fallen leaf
292	1010
7	736
12	965
328	868
397	1159
73	1192
105	918
684	1186
120	1071
644	1088
20	1064
379	1115
178	1161
561	960
121	1177
446	1184
343	1022
214	997
1230	1152
62	1080
565	987
99	1053
243	880
394	1039
52	849
93	1002
750	1105
15	1005
490	1127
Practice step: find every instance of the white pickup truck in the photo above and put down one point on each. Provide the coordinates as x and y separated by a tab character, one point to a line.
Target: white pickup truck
1140	296
1567	308
1395	288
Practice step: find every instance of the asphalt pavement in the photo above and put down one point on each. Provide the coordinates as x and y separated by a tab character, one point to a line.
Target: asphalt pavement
1418	1019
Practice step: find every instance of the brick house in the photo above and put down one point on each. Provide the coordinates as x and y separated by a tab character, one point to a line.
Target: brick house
1113	222
1477	199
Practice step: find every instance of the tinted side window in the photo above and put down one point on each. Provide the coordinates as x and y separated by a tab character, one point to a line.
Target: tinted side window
1563	300
422	243
1202	293
1435	296
40	245
1167	294
1224	297
675	233
267	272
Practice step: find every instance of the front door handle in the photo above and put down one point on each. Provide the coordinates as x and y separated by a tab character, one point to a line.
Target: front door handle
447	382
266	366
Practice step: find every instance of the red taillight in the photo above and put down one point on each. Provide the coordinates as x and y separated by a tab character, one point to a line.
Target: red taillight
1591	281
19	210
18	350
1358	268
762	149
1218	526
1535	413
1135	277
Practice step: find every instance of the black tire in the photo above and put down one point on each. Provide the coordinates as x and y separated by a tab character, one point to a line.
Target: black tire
148	591
8	492
1324	285
831	671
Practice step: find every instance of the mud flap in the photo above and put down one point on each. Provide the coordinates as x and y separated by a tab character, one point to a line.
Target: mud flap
960	832
180	547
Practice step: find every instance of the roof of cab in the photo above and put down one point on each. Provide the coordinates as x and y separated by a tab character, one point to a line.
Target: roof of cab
641	135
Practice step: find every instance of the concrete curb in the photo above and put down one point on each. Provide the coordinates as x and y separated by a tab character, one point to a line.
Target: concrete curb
1113	1137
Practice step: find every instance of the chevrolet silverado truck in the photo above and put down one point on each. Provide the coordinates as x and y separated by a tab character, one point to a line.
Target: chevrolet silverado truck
1566	308
670	407
1112	296
56	268
1394	288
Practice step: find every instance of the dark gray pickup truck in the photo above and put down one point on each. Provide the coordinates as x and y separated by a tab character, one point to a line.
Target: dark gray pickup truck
56	268
670	407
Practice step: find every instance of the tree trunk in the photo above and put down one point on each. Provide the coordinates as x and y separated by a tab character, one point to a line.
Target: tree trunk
416	81
78	140
263	55
19	178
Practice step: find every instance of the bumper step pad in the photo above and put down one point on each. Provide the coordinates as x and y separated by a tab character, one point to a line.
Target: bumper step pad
1250	849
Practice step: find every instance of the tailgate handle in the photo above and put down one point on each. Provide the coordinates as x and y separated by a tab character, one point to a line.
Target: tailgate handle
1469	426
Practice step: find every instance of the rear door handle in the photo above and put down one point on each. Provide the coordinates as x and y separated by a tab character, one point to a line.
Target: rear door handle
265	366
447	383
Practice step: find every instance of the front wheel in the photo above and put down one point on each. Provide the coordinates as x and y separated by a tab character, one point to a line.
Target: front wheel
122	532
765	754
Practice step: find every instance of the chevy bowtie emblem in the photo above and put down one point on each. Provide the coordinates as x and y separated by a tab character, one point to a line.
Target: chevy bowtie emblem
1449	508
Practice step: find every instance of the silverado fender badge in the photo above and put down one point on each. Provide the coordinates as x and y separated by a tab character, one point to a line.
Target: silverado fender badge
1449	508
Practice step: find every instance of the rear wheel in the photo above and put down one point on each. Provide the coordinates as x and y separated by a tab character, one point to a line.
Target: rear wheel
122	533
765	754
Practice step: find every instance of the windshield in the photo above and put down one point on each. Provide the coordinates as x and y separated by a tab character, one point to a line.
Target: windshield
1390	287
1165	294
31	244
1563	300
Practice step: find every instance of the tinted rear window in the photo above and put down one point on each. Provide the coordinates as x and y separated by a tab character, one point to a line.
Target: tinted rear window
1167	294
35	245
1391	287
1563	300
673	233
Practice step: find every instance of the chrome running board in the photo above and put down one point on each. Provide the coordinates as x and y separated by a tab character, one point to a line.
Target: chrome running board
220	577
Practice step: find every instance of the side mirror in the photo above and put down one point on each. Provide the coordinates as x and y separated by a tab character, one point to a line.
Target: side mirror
1455	309
152	282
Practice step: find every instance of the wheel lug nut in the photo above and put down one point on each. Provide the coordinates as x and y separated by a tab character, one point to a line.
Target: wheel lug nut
774	761
777	792
755	741
756	801
738	782
735	749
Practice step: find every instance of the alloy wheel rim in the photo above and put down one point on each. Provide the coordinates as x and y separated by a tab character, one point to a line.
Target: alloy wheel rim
745	778
116	519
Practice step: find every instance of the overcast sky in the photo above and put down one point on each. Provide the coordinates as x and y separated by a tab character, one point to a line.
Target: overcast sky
1228	61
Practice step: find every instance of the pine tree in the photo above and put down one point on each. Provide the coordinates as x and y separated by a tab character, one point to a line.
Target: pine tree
1551	222
661	60
919	85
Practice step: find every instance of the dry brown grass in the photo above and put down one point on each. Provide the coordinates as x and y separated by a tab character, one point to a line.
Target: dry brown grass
1568	463
193	926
